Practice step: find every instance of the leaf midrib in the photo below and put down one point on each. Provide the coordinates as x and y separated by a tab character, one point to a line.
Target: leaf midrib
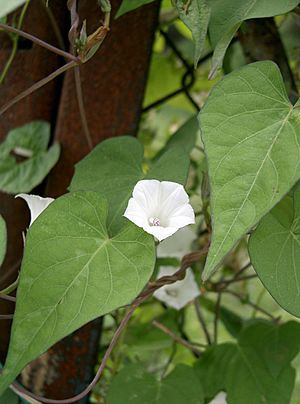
252	185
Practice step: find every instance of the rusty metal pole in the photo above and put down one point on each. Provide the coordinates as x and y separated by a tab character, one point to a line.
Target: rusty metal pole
30	65
113	84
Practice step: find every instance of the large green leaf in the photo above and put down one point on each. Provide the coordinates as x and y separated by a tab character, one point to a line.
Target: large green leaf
130	5
3	237
248	128
255	370
274	249
115	166
73	272
133	385
213	367
31	140
7	6
228	15
195	14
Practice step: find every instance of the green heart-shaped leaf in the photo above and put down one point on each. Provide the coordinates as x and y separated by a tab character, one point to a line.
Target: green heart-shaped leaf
274	249
248	128
73	272
133	385
257	368
30	141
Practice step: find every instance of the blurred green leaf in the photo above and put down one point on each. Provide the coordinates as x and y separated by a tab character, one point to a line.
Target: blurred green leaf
195	14
274	248
212	368
29	142
3	240
72	272
130	5
185	137
9	397
134	385
255	370
248	169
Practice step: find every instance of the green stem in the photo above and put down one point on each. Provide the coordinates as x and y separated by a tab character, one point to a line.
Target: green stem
10	288
40	42
15	40
37	85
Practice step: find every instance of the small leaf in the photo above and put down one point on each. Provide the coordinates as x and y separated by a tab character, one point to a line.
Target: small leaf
228	15
115	166
274	248
195	14
136	386
248	128
255	370
7	6
3	237
73	272
130	5
30	141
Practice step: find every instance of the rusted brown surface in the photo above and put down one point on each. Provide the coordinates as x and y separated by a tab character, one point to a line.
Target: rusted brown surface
29	66
260	40
113	85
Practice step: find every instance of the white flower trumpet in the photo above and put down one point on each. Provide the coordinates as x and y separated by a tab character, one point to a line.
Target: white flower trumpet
180	293
36	204
160	208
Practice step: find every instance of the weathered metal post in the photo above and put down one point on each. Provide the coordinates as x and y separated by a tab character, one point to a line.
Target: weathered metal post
113	84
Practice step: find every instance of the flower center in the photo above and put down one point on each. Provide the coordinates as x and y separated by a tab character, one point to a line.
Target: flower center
154	221
172	292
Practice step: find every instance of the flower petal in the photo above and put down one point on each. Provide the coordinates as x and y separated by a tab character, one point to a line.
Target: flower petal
178	294
147	195
177	245
36	204
136	214
182	216
220	398
173	195
160	232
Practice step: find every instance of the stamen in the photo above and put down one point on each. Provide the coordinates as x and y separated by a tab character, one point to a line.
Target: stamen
154	221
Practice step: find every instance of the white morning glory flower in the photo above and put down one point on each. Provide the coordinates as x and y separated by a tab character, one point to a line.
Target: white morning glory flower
36	204
177	245
219	398
160	208
178	294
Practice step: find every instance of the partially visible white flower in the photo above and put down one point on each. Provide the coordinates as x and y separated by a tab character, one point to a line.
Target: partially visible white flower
160	208
219	399
177	245
178	294
36	204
